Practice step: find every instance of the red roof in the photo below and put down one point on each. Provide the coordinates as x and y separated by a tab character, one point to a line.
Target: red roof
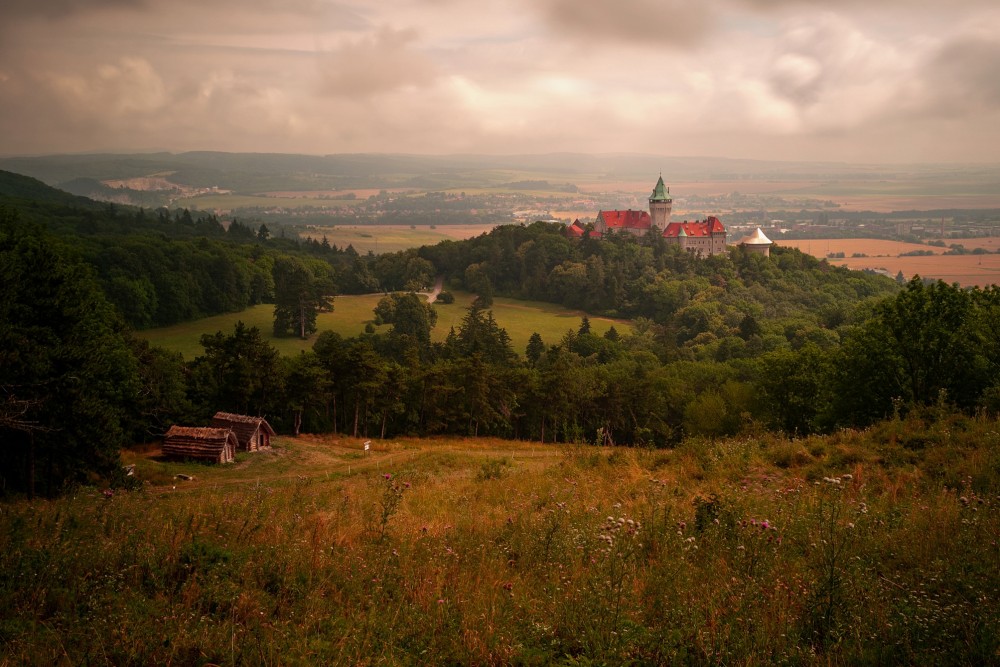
710	225
576	229
626	219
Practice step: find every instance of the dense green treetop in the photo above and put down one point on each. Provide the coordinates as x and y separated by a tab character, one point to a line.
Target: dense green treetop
67	373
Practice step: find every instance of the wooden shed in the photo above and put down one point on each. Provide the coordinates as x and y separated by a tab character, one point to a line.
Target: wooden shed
207	444
253	433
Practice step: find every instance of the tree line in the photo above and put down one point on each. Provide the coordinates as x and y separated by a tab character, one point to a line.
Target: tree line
719	346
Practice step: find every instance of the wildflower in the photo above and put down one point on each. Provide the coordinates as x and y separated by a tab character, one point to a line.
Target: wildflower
108	493
440	601
406	484
388	475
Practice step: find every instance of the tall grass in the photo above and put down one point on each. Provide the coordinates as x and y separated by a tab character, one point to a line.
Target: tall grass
866	547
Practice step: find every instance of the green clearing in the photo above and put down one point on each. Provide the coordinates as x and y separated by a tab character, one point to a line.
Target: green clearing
391	238
352	313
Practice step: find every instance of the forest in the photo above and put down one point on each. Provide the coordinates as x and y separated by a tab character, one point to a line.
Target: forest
721	346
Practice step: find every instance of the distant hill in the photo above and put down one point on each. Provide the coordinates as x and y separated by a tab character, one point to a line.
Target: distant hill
20	189
259	172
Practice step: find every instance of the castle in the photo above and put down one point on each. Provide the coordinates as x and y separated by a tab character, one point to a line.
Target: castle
703	237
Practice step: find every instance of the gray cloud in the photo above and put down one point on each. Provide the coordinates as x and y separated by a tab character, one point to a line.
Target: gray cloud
643	22
964	76
377	63
894	5
837	79
60	9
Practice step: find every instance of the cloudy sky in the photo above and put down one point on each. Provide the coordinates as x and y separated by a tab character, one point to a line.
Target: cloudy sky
851	80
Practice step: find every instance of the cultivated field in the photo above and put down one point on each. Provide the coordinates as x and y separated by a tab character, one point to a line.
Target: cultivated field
352	313
861	548
850	194
966	270
391	238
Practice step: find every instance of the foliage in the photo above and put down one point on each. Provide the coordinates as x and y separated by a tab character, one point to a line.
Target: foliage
238	373
67	374
411	318
301	292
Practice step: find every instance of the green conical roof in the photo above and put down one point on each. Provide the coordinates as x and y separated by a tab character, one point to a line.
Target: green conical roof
660	192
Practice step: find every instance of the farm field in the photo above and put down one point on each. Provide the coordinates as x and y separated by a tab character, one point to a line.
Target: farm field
391	238
229	202
352	313
874	547
849	194
966	270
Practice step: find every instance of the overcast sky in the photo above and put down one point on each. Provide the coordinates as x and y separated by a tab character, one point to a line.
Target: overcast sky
851	80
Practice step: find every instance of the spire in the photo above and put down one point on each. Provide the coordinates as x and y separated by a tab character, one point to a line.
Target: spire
660	193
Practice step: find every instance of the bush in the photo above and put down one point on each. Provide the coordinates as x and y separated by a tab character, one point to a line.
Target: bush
493	469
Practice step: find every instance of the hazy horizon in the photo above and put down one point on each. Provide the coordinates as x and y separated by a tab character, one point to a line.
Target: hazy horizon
905	82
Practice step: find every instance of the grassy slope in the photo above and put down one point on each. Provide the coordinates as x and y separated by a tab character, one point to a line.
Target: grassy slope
492	552
351	313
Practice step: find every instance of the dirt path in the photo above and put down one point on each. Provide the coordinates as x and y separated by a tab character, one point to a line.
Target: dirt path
433	294
320	457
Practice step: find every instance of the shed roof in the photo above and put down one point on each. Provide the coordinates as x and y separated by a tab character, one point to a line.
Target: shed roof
243	425
199	442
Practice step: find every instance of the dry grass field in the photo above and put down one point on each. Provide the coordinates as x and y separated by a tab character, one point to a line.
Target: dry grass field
966	270
849	195
876	547
870	247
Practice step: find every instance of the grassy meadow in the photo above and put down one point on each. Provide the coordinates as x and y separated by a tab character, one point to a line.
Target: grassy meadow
873	547
352	313
390	238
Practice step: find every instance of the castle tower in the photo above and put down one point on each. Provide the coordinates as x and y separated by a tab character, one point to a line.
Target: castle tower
660	203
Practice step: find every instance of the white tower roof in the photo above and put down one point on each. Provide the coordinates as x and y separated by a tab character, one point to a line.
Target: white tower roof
757	238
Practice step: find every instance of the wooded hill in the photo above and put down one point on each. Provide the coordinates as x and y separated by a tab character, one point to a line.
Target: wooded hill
724	345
